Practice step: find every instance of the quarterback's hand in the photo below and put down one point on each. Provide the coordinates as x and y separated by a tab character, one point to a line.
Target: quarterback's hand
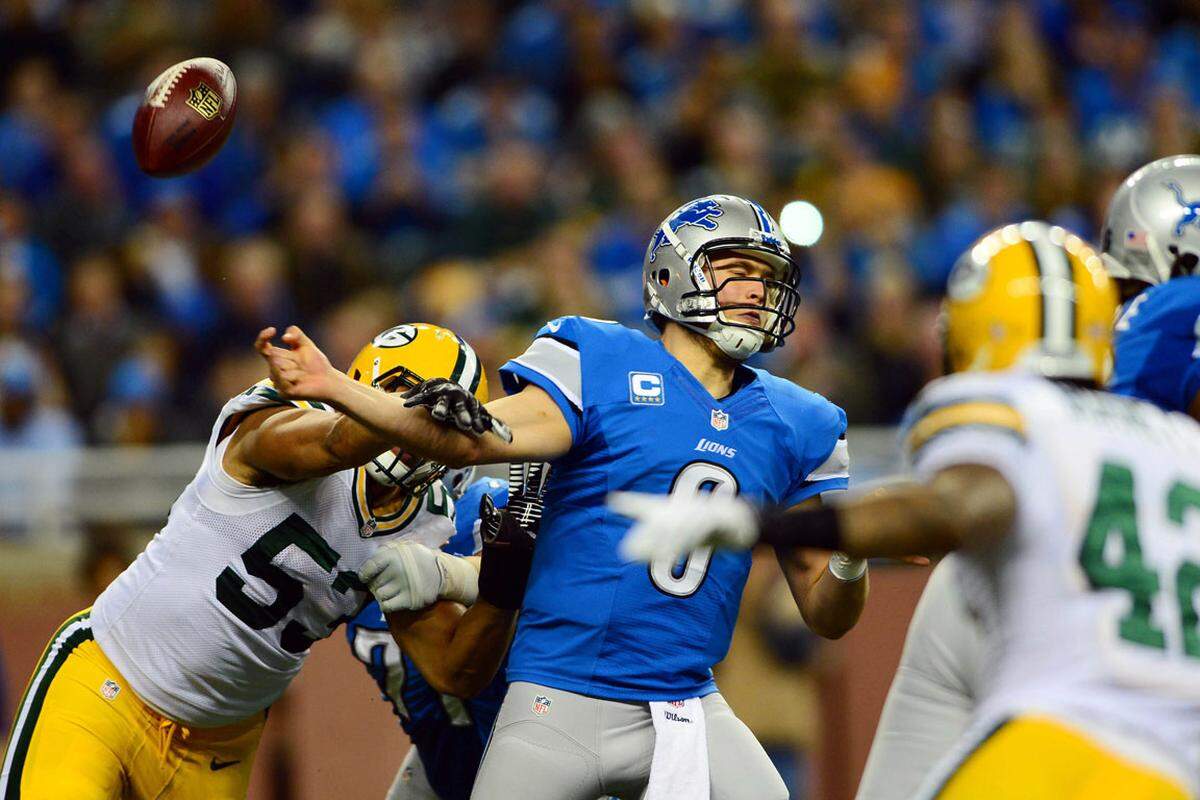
451	404
403	576
299	370
671	526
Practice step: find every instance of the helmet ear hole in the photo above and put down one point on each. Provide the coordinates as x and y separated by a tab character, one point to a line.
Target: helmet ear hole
1183	263
664	277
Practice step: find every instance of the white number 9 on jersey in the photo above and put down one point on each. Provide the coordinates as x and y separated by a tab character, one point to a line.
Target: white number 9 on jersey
683	580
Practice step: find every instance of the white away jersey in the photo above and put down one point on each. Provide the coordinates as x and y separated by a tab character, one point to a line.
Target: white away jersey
1089	607
216	616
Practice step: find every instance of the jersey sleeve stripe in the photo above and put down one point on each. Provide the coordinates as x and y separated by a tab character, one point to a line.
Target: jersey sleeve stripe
559	364
836	466
969	413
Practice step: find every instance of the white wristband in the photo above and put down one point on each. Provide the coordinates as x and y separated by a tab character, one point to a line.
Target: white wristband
845	568
460	579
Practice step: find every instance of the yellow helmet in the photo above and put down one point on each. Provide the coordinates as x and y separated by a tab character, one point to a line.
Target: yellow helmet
399	359
1030	294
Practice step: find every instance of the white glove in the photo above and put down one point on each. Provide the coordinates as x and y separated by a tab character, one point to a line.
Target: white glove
671	526
407	576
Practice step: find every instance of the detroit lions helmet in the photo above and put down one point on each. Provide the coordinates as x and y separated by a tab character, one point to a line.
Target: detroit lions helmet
678	280
1152	231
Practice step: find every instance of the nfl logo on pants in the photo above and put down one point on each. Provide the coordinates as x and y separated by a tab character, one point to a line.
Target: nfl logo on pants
720	420
541	705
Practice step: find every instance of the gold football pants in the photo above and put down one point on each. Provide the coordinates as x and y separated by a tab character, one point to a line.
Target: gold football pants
1032	758
81	733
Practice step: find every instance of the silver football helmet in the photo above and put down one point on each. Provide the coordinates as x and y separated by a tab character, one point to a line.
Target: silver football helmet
678	280
1152	231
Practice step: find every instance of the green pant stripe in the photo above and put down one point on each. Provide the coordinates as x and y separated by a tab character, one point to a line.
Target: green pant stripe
30	708
71	620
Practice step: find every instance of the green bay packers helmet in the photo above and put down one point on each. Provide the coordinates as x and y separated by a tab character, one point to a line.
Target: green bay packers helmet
397	360
1032	295
1152	230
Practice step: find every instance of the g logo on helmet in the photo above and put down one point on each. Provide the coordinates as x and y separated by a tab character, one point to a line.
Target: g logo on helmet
396	337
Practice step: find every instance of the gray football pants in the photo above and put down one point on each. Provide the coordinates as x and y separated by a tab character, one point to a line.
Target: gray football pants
584	747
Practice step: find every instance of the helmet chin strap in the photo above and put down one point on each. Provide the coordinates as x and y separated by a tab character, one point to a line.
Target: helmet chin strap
737	343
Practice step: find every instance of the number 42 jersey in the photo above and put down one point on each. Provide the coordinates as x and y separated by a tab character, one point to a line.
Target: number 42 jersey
216	616
1089	604
594	623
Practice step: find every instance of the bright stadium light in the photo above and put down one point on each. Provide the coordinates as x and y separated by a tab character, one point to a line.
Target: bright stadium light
802	223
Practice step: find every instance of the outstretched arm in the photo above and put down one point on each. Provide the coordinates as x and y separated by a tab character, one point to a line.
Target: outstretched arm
458	650
284	444
961	505
300	370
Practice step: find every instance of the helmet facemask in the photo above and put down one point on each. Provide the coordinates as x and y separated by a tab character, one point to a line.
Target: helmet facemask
395	468
702	309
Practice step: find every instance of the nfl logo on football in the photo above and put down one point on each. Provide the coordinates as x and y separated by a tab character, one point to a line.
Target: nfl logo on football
720	420
541	705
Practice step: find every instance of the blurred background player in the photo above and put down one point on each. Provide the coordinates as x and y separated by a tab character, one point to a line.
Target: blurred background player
933	694
611	686
161	688
1066	506
1152	248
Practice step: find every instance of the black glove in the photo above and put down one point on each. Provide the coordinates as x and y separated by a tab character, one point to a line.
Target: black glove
451	404
509	535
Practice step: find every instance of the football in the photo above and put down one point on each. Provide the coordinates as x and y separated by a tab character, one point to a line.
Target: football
185	117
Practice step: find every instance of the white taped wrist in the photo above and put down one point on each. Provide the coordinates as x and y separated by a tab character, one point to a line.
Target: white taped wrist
845	568
460	579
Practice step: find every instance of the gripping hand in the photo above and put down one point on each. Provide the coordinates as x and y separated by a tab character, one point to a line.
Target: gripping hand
451	404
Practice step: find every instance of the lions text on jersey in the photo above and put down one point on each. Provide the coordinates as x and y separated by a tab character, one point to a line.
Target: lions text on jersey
594	623
1087	607
1158	344
449	733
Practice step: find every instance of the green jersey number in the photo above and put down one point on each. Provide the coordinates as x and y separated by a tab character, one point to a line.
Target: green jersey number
1114	520
289	591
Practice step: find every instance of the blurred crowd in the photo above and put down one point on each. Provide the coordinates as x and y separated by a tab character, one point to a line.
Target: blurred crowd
488	165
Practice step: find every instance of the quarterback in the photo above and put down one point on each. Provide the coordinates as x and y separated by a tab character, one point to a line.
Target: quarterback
611	690
1073	514
160	690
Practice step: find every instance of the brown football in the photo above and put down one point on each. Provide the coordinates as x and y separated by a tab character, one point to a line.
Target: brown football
186	116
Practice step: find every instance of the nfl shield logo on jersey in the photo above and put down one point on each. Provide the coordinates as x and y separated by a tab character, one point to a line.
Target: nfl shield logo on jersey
541	705
720	420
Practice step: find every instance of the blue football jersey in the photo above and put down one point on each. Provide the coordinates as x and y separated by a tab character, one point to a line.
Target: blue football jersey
594	623
1156	348
449	733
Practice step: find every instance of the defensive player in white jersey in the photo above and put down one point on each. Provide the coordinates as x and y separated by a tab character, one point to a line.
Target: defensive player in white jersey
1074	516
161	689
1144	245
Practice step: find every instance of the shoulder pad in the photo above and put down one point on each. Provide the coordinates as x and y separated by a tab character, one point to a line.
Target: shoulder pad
984	401
264	394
